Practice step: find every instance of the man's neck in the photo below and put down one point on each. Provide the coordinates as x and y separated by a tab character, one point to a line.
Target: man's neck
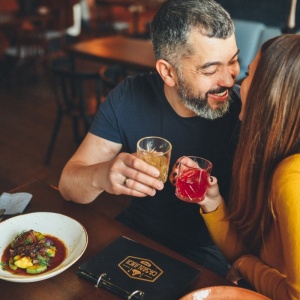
173	99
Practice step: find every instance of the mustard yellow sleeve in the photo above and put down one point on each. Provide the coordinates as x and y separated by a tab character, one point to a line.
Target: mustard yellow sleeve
222	233
266	280
285	197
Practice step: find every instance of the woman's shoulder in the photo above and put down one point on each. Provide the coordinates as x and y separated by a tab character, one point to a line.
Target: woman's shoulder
287	175
289	164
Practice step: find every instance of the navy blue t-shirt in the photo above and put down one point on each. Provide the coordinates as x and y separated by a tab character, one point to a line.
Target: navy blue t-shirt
138	108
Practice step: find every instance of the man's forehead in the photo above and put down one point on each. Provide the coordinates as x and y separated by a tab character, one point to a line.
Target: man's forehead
206	49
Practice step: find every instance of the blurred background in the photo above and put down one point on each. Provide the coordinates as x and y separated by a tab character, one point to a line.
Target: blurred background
27	99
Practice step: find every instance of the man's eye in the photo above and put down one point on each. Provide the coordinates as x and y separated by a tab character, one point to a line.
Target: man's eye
209	73
247	74
233	62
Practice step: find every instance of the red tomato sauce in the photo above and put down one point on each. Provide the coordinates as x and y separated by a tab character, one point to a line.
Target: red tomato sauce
60	255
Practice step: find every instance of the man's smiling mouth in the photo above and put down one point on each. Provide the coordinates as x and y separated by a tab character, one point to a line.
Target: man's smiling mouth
222	96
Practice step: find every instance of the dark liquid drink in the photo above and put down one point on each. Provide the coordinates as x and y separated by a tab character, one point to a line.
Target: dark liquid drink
192	185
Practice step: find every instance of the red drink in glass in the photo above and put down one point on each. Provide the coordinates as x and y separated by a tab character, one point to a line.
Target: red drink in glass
192	181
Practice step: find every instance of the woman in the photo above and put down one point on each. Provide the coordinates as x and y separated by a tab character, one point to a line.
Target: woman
258	232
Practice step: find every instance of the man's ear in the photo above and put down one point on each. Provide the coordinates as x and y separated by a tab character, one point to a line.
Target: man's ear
166	72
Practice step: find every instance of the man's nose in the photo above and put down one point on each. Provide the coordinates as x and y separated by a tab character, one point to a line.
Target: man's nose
229	75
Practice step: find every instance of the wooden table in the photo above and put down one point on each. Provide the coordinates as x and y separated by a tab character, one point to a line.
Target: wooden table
131	53
101	231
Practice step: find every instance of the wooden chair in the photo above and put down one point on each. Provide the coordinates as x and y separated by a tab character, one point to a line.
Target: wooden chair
37	35
27	50
77	94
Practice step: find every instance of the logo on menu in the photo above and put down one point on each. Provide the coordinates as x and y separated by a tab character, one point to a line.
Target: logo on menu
140	268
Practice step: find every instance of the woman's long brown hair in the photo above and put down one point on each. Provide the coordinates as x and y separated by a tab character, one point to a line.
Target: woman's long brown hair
269	133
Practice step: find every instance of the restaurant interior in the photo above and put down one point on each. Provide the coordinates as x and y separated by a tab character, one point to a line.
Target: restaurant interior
28	105
58	61
28	102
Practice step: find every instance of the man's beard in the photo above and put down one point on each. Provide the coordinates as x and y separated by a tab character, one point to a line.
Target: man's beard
200	106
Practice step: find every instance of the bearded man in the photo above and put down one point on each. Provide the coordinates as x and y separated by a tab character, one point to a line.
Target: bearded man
193	102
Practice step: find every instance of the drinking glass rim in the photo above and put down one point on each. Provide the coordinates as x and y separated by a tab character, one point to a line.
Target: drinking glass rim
209	166
157	137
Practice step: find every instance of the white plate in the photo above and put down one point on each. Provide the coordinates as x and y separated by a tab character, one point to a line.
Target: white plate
223	293
68	230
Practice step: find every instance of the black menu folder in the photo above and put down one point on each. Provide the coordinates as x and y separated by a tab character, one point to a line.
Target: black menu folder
135	271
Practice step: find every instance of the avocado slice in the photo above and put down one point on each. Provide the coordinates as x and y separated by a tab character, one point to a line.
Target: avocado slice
36	269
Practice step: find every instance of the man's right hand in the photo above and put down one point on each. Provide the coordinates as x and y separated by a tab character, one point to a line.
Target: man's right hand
127	174
98	166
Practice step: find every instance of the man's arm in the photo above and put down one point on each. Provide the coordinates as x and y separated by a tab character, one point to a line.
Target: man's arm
98	166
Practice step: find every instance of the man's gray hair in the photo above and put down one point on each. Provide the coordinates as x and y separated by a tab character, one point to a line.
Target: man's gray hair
176	19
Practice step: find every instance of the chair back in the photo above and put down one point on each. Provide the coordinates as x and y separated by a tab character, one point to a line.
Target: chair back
248	34
27	50
30	44
77	92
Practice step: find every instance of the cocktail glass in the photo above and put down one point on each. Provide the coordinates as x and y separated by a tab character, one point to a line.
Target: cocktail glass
156	151
192	179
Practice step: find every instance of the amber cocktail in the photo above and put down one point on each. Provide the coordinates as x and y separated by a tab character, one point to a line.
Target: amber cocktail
156	151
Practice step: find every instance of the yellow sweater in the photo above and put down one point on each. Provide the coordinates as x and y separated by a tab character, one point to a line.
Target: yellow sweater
276	272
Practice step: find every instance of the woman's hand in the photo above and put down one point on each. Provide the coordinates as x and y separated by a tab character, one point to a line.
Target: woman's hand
234	274
175	169
213	198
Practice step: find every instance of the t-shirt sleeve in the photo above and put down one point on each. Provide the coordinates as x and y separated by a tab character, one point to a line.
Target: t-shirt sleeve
105	123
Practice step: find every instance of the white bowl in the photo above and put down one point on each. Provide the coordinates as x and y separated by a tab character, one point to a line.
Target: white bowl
223	293
68	230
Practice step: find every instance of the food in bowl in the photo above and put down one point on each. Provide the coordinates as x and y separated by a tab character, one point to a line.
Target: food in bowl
32	252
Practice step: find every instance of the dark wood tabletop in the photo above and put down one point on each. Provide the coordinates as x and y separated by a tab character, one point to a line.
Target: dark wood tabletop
101	230
131	53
